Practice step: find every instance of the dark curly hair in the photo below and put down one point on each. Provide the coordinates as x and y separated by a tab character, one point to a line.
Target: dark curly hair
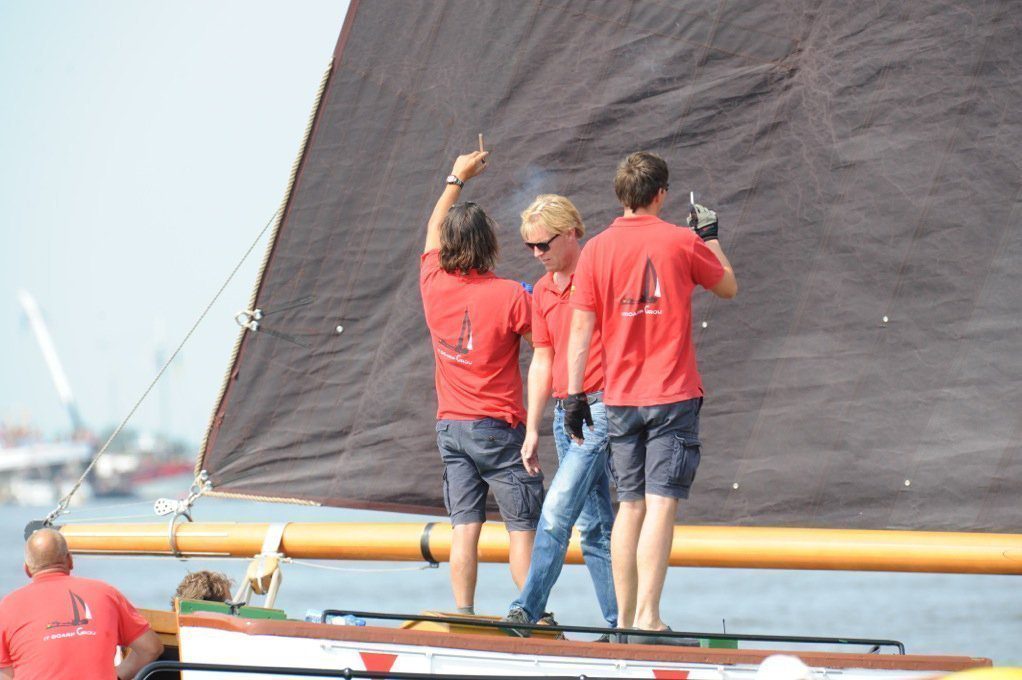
468	240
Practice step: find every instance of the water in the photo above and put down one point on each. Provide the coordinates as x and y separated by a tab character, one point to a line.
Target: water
930	613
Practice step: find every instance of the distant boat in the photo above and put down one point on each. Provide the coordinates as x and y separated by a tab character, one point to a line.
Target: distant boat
38	471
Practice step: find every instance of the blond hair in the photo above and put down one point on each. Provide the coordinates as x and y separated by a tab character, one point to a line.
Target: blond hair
558	214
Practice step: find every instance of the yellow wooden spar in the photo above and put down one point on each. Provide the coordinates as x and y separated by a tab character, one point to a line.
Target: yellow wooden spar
737	547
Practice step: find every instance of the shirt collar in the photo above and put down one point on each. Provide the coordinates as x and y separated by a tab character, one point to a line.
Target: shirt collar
50	575
636	221
474	274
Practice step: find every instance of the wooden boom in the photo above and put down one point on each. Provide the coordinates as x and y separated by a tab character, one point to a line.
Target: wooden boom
694	546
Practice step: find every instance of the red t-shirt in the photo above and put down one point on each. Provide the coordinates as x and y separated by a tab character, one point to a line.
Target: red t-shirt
551	325
62	626
638	277
476	322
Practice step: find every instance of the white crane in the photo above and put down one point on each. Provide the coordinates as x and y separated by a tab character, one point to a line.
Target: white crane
42	336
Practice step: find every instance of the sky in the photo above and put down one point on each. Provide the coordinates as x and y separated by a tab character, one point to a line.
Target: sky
144	147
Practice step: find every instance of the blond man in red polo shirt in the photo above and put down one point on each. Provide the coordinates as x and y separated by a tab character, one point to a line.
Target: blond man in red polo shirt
62	626
476	322
579	494
635	281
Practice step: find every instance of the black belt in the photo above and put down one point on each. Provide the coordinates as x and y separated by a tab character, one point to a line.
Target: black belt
592	397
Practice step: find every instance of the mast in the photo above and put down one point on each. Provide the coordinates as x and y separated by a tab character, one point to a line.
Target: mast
694	546
49	350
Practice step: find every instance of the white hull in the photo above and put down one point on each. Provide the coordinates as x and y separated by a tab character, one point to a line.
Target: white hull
217	639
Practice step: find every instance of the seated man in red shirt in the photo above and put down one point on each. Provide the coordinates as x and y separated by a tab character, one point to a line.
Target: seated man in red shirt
635	281
62	626
476	322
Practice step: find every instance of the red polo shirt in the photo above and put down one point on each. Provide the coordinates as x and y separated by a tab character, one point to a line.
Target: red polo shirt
476	322
638	276
62	626
551	325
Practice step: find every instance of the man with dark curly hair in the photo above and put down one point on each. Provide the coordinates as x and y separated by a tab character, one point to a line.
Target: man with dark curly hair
476	322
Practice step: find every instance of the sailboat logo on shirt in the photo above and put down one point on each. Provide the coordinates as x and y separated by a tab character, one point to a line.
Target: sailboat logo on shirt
80	613
650	292
464	345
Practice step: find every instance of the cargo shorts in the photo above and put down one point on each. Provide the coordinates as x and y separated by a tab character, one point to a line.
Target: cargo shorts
654	449
486	454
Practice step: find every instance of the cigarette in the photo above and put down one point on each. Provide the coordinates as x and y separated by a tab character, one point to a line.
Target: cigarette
481	149
692	197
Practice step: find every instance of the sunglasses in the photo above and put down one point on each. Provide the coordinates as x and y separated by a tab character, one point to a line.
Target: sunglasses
544	246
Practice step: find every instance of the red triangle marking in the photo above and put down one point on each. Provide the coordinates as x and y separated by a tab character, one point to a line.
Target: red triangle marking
670	675
378	662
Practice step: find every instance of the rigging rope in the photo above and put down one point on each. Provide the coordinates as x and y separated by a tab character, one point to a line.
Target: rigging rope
66	500
84	520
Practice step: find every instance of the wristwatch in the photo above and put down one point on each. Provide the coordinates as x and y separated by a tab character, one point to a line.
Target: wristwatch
453	179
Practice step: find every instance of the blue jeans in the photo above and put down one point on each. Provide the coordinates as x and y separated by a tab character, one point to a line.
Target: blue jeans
578	495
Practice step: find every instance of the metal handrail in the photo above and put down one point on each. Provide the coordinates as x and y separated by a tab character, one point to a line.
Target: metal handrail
175	666
505	625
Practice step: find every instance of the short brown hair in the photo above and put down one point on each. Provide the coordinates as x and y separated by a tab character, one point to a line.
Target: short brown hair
203	585
639	177
558	214
468	240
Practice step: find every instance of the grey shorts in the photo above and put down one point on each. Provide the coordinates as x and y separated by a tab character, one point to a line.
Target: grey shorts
486	454
654	449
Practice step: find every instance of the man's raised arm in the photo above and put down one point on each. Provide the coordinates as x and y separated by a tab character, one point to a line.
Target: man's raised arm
465	167
727	287
704	223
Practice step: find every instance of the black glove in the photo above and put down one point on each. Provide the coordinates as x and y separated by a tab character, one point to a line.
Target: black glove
576	410
703	221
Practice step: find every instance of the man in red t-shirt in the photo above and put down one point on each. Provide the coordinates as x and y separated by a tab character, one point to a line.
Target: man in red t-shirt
476	322
62	626
635	281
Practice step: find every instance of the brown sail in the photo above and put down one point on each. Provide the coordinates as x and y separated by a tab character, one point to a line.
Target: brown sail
865	164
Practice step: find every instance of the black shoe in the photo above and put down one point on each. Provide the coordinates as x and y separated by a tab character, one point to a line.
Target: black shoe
603	638
662	639
548	620
517	615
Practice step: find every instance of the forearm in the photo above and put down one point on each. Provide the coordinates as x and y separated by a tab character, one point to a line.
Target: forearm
714	245
728	285
540	380
443	205
582	325
146	649
130	666
466	166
